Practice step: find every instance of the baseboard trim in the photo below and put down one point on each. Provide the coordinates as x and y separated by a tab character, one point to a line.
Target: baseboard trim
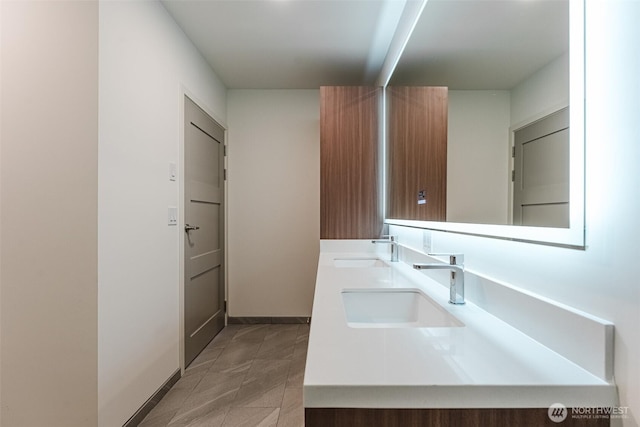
153	401
260	320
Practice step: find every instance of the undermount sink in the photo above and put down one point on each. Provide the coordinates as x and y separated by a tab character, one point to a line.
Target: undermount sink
394	308
359	262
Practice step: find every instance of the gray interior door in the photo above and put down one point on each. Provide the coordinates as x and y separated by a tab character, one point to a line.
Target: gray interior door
204	292
541	172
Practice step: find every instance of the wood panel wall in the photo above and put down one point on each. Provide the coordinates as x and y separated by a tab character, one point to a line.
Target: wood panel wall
417	150
350	202
472	417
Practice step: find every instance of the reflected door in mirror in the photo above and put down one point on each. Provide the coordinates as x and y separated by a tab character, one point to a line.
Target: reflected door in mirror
417	150
541	172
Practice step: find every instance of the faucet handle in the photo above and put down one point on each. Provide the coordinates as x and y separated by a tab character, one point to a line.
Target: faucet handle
454	259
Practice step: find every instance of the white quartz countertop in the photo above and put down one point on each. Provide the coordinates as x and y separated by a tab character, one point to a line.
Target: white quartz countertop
484	364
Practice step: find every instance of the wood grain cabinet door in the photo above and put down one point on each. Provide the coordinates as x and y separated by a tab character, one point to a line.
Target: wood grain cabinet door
350	190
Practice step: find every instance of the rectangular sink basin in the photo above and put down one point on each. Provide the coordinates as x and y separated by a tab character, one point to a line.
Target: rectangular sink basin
359	262
394	308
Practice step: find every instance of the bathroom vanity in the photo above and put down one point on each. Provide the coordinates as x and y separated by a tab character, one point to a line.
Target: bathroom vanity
387	349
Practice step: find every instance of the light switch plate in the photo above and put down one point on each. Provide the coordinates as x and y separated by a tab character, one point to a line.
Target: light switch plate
173	171
173	215
426	241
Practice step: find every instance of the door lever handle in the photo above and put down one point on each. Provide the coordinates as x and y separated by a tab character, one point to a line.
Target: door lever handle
188	227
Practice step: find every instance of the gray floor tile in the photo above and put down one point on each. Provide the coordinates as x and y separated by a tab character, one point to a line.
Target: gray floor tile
225	336
157	420
304	330
260	396
173	400
211	399
264	384
295	378
253	333
292	409
237	353
228	366
279	343
252	417
302	342
279	329
203	362
275	371
249	375
215	379
204	416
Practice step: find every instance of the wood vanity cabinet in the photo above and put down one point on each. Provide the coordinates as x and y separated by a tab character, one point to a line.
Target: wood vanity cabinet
417	118
471	417
350	190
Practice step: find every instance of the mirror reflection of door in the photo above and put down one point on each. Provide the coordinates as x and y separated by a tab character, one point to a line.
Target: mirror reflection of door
541	172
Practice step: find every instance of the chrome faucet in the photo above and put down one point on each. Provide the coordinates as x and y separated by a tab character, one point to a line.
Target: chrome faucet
456	282
394	246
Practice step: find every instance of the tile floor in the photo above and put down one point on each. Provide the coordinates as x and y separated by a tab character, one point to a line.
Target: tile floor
249	375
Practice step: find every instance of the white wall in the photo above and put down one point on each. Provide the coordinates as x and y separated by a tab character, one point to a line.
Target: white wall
273	201
479	161
48	210
145	63
1	138
478	157
603	278
544	92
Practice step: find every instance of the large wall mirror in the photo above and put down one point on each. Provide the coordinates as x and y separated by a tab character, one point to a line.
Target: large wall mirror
514	71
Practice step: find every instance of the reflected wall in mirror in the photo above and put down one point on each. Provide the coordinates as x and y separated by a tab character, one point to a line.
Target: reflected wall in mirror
506	65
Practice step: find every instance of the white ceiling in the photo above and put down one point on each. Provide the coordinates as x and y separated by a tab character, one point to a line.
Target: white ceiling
273	44
300	44
483	44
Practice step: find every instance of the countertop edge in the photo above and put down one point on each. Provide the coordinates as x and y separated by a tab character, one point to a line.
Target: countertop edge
468	396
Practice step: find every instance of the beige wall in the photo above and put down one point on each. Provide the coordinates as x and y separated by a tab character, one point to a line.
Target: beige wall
141	99
478	189
545	91
478	157
273	201
49	213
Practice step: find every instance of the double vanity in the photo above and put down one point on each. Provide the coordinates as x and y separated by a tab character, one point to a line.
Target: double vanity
388	348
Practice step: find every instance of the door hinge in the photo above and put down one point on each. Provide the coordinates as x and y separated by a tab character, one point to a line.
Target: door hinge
224	150
225	306
225	174
513	151
513	175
